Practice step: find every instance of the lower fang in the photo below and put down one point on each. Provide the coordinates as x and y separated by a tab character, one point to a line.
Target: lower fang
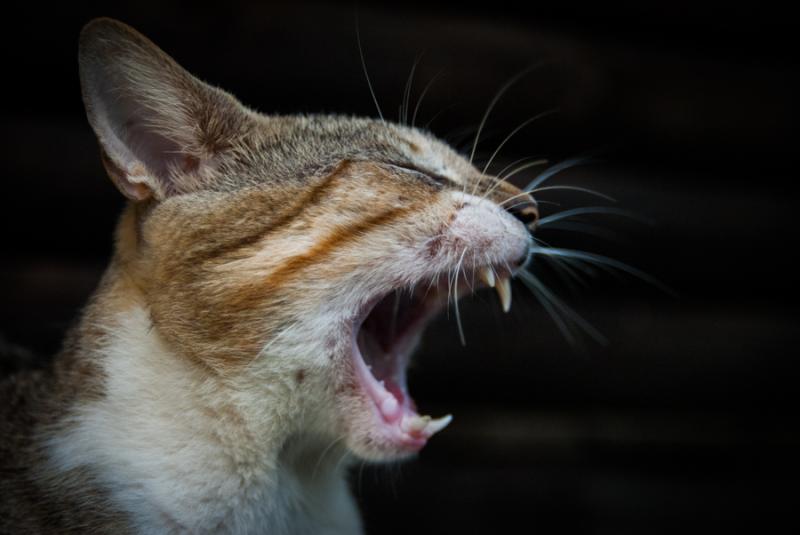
414	424
389	408
434	426
424	425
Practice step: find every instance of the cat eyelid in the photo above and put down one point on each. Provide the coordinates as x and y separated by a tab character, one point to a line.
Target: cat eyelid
434	178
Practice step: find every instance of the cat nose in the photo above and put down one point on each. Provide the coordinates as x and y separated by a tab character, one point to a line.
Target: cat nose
526	210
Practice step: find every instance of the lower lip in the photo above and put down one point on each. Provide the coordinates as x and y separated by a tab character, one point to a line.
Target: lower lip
388	413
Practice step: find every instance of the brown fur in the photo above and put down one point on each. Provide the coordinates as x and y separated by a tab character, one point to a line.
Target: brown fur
213	247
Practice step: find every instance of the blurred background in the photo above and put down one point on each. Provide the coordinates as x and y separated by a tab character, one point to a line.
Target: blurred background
684	421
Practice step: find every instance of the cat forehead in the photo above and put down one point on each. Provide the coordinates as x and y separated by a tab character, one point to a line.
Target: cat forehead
301	144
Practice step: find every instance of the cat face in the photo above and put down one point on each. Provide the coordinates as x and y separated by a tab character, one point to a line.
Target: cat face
303	255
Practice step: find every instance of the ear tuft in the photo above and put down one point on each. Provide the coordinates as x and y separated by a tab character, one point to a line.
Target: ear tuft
160	129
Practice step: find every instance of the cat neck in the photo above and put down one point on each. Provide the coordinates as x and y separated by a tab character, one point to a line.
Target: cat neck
183	449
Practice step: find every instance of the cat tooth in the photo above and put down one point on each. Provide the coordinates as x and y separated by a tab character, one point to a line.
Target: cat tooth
414	424
389	407
486	274
504	292
434	426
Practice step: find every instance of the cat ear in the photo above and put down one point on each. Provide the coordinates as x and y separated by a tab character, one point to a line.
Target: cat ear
159	127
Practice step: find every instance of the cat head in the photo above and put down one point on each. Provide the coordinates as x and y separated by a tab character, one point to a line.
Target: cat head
301	256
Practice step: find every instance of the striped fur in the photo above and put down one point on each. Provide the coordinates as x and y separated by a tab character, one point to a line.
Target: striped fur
207	388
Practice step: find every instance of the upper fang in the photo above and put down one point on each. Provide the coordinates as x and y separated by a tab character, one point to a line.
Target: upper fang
486	275
504	292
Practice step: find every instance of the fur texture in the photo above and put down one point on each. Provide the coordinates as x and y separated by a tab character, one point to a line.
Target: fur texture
209	386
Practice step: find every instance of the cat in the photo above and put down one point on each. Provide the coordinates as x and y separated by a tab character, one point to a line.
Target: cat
271	277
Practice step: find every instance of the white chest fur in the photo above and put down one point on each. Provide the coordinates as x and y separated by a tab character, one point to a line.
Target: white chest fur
179	456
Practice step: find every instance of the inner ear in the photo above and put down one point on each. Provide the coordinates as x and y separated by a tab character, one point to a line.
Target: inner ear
146	142
157	125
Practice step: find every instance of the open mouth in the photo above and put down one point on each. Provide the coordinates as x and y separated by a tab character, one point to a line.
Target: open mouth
386	334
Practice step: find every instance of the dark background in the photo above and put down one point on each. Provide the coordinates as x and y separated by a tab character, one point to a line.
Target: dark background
685	421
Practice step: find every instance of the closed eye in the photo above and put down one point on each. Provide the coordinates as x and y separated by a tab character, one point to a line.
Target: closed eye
427	176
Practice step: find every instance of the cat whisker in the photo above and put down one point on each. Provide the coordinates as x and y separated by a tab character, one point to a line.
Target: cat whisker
433	238
460	135
437	115
554	170
422	97
545	295
273	340
324	453
461	336
449	289
494	102
551	203
564	214
548	307
587	271
567	273
519	169
530	226
361	476
575	188
602	261
433	282
364	67
407	91
584	228
514	132
499	174
345	455
512	198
